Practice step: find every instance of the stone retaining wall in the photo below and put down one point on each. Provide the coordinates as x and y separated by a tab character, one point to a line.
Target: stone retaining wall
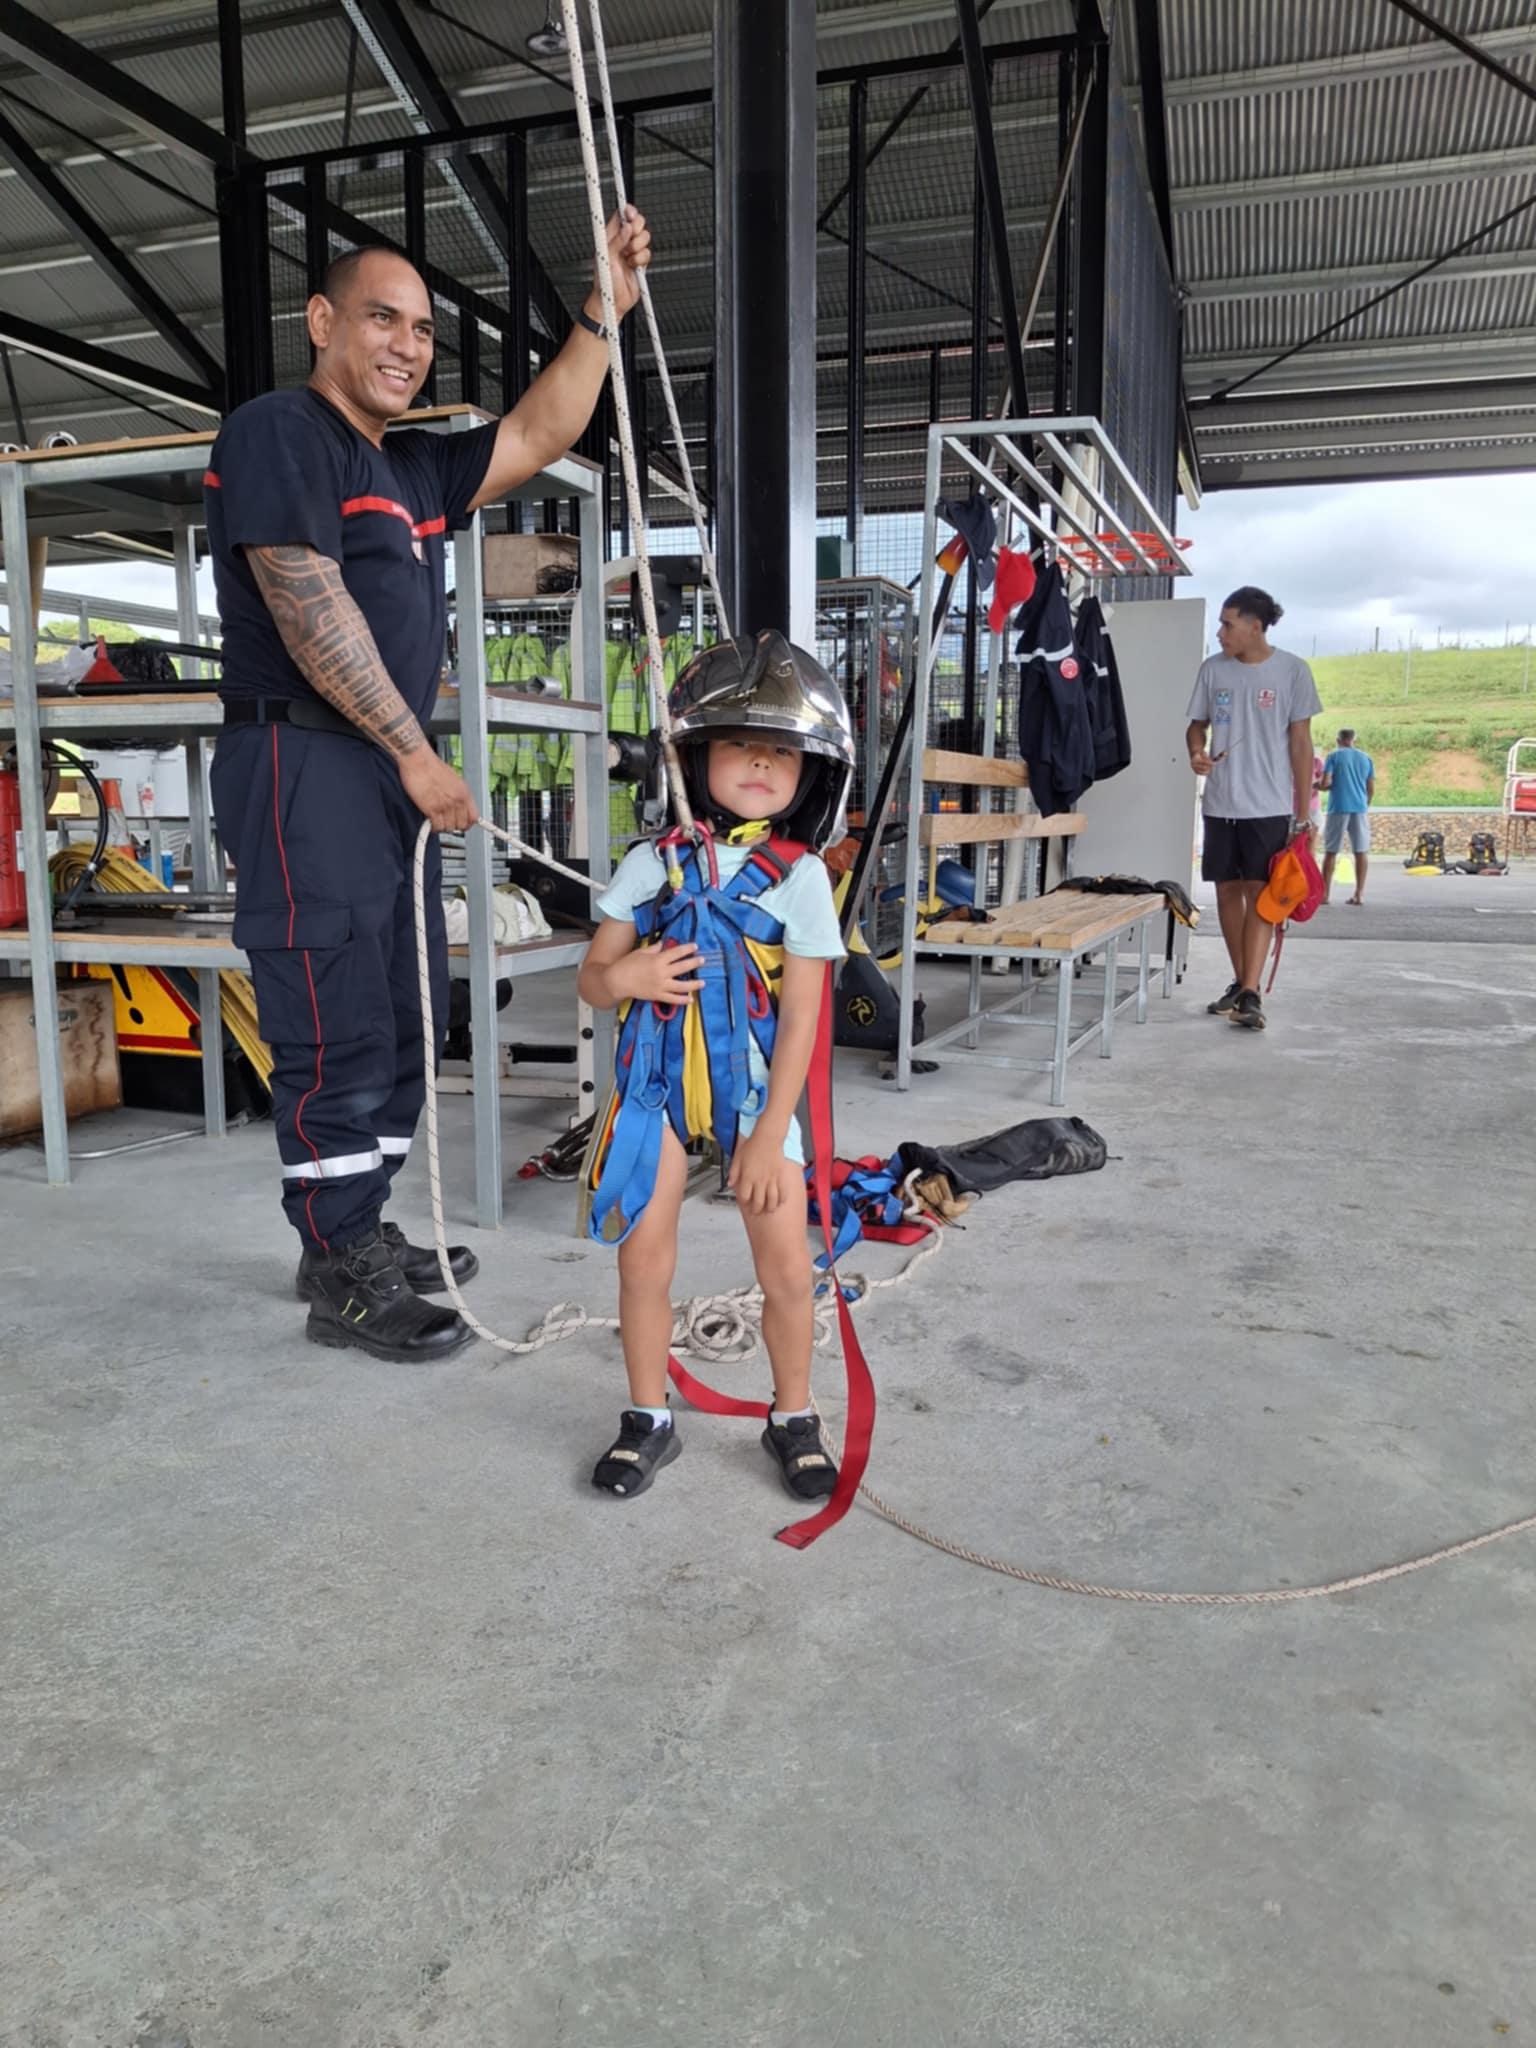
1396	831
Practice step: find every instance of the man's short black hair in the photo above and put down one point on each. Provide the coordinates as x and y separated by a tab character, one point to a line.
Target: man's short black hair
1346	735
1254	603
341	275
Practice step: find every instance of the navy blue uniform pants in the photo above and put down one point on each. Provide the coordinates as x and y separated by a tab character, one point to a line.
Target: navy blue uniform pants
323	838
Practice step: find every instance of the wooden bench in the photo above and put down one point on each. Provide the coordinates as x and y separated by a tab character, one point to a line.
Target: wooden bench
1062	927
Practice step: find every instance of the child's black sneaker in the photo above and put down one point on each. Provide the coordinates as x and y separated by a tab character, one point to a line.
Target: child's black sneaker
1225	1003
800	1452
643	1446
1249	1011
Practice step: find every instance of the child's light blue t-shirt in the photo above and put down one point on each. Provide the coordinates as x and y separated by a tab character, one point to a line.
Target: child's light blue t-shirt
802	904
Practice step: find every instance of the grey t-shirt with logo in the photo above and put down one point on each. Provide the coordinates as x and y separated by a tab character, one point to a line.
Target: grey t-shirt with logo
1250	708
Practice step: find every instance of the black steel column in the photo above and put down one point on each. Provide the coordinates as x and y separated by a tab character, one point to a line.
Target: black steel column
979	87
317	240
1089	285
517	342
711	466
1061	287
244	251
415	170
245	276
469	358
629	353
858	99
981	309
765	282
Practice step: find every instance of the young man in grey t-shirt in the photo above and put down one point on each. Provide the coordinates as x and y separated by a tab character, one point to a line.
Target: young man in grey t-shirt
1250	736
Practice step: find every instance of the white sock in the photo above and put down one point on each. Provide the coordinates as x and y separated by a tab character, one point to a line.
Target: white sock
661	1418
779	1416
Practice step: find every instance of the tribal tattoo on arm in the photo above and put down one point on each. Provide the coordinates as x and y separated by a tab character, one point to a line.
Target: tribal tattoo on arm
329	641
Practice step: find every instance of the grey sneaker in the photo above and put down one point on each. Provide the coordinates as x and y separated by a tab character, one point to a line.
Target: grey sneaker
1225	1003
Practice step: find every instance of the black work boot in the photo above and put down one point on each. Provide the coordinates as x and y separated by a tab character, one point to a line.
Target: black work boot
416	1261
364	1302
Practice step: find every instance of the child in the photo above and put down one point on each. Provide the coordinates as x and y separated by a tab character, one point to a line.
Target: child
767	753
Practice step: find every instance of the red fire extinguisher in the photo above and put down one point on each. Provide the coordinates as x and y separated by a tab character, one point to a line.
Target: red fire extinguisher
13	881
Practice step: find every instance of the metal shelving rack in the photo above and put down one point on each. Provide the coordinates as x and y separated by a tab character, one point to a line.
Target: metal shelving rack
1056	483
158	482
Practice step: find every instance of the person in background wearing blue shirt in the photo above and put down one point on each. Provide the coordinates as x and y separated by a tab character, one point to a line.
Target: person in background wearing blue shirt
1349	778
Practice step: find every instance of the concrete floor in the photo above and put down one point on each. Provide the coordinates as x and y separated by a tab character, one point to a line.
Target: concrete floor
339	1711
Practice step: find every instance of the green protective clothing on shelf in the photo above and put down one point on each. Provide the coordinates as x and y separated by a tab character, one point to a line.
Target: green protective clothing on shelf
560	745
523	657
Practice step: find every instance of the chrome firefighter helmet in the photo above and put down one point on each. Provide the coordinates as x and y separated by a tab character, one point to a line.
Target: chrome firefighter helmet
766	685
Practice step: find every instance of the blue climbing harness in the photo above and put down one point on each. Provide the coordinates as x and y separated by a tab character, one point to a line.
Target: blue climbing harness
688	1064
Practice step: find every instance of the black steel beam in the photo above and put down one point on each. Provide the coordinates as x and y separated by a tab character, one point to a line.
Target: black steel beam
396	49
45	50
765	270
348	227
858	311
63	348
45	185
979	87
359	153
1467	49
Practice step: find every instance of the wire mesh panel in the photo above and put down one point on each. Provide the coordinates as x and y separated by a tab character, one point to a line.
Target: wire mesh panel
920	264
864	641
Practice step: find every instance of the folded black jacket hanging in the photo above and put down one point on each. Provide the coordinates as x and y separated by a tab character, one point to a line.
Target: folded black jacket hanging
1055	730
1101	680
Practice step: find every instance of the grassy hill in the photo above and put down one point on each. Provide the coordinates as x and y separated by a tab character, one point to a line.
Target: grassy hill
1444	741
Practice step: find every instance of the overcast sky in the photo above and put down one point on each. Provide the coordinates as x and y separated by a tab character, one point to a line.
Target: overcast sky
1455	555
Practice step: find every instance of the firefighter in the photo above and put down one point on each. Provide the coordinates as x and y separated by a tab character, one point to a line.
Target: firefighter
328	543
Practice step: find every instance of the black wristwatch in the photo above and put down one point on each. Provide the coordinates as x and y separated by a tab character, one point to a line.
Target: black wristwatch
584	319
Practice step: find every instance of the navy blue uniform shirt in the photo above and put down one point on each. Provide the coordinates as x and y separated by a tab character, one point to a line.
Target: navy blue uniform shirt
288	471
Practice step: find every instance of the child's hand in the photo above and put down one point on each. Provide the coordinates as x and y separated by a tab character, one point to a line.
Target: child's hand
761	1176
657	974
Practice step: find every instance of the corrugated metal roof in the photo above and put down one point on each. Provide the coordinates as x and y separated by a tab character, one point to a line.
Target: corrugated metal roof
1318	150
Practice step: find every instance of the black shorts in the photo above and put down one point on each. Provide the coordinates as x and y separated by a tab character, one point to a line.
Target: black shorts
1241	849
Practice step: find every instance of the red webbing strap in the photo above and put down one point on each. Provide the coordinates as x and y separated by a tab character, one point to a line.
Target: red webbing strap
1274	967
709	1400
861	1387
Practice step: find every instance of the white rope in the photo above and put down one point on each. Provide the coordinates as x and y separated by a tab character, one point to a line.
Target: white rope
682	810
726	1327
674	420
